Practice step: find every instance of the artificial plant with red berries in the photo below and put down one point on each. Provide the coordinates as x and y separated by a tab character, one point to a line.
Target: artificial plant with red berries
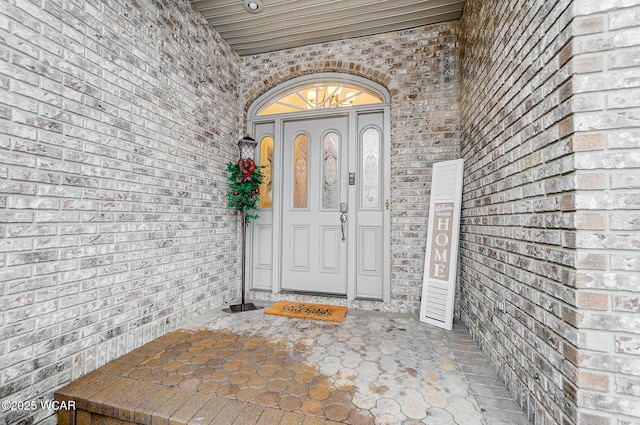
245	179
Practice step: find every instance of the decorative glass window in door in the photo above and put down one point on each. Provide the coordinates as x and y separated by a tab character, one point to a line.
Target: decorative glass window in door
266	162
301	171
370	169
330	189
318	96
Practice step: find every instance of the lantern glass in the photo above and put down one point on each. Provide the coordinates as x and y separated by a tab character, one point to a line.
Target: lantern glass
247	147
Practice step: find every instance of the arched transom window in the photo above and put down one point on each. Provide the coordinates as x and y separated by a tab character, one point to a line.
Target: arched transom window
319	96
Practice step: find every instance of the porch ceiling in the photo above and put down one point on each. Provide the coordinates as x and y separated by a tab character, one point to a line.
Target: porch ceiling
284	24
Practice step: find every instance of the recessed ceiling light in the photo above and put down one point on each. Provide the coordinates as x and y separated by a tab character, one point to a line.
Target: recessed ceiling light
252	6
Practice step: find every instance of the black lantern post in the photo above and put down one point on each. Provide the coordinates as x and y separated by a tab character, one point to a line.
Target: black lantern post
247	147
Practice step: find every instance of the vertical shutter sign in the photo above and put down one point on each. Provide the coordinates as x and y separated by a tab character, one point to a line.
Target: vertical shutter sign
441	259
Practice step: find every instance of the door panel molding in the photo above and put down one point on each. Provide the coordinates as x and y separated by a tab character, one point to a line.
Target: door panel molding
330	253
300	243
370	258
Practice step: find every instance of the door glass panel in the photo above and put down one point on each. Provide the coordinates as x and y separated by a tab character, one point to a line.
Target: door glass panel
324	95
370	168
330	170
301	171
266	162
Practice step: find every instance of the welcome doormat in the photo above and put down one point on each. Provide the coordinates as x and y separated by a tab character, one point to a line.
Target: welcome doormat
329	313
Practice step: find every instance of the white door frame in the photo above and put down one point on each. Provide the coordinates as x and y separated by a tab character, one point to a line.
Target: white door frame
276	126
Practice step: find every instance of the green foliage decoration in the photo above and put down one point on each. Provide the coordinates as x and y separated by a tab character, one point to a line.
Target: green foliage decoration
243	192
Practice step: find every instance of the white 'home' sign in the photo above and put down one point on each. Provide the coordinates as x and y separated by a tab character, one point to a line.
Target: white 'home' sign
441	259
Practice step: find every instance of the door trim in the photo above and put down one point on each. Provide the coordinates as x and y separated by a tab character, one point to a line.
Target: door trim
277	125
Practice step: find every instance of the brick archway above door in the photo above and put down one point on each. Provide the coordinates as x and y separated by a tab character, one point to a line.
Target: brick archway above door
258	88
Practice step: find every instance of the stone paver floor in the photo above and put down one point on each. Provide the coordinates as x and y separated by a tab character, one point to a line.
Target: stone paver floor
250	367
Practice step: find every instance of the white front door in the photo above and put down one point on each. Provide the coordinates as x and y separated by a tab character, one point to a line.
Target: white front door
314	239
328	229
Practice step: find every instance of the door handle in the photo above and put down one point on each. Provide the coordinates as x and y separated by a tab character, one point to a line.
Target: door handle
343	220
